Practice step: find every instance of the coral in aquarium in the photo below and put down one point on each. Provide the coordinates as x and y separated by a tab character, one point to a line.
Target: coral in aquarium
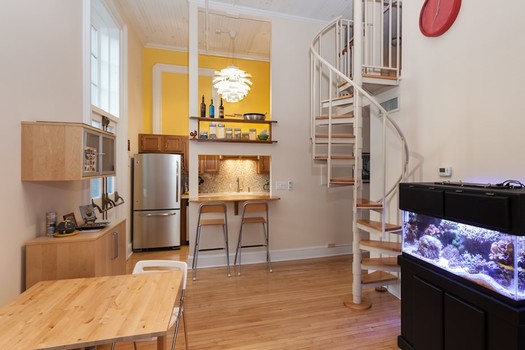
429	247
472	263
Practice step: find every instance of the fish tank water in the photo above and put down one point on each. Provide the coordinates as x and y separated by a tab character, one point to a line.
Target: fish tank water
488	258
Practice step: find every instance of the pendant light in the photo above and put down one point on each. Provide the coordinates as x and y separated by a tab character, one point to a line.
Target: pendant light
232	83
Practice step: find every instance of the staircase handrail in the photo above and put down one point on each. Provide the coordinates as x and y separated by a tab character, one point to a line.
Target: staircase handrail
384	112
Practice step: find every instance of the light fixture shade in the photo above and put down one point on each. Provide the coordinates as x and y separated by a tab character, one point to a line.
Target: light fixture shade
232	83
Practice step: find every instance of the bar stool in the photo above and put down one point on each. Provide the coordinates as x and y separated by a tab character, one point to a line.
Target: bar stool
213	208
248	217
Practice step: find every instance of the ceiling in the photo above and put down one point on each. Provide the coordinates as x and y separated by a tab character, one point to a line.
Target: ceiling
164	23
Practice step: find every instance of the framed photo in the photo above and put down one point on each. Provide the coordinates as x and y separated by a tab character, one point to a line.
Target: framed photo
70	217
88	213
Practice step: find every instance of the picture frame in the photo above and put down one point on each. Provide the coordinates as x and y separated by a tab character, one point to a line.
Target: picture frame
88	213
70	217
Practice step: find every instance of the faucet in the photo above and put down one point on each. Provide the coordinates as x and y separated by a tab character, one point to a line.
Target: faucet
238	185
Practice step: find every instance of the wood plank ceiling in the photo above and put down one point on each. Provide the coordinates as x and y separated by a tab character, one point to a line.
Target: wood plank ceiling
164	23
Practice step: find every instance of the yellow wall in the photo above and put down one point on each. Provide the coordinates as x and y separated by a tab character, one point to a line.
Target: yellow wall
175	89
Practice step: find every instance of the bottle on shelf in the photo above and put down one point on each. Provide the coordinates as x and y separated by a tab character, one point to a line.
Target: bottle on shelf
221	110
203	108
212	109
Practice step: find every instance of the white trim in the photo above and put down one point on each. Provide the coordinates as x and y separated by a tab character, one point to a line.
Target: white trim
259	256
208	52
160	68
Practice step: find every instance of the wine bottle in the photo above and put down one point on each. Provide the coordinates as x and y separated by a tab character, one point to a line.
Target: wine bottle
221	110
203	108
212	109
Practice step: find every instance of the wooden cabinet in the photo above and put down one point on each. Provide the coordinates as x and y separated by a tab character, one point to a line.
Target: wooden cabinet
263	165
87	254
157	143
208	164
66	151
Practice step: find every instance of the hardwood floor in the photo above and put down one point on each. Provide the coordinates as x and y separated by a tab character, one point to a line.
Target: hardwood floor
298	306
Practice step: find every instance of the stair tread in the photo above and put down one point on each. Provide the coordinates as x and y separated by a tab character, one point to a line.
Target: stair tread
342	181
380	76
343	116
383	261
321	157
367	203
337	136
377	276
385	245
377	225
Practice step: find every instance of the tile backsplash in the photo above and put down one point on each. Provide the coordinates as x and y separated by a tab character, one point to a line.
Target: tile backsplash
226	178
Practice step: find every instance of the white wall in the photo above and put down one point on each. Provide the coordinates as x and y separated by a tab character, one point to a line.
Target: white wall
40	79
461	94
309	217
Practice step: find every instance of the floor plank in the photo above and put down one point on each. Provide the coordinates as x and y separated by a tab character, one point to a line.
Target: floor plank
298	306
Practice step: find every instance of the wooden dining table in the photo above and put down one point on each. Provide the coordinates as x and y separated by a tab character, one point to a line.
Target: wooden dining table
76	313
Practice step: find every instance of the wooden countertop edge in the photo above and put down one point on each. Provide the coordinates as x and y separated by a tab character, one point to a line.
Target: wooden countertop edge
234	198
82	236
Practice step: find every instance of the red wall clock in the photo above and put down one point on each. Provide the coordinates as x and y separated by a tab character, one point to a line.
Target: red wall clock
437	16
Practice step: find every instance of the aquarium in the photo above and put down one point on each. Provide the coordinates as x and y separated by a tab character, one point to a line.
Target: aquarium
488	258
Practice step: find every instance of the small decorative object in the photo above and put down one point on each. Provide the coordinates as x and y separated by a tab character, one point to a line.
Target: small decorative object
90	159
88	213
51	222
193	134
65	227
263	137
70	217
437	16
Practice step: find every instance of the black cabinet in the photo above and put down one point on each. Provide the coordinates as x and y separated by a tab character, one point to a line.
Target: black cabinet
440	311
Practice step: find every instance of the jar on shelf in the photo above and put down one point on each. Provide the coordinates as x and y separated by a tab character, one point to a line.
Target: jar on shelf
229	133
245	136
204	135
213	131
221	133
253	135
237	133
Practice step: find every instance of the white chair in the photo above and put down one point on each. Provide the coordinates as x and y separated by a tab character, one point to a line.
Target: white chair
148	266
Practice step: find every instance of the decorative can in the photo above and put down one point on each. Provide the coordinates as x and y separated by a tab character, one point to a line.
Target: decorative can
237	133
229	133
221	133
253	134
213	130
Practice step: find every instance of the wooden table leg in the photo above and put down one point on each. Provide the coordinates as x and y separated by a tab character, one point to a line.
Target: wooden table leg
161	343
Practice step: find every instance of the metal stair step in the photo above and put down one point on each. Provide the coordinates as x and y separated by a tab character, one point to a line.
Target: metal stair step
387	247
368	204
376	226
383	264
342	138
378	279
343	116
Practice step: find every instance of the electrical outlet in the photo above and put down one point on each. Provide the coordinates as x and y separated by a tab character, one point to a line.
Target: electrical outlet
280	185
290	185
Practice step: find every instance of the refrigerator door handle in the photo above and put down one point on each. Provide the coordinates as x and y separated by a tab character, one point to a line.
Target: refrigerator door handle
159	214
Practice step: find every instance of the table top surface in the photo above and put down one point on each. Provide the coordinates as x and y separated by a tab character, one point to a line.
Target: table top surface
73	313
234	198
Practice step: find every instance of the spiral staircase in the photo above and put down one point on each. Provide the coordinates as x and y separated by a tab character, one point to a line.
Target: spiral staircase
348	72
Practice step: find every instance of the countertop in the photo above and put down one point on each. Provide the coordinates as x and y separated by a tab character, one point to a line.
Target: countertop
234	198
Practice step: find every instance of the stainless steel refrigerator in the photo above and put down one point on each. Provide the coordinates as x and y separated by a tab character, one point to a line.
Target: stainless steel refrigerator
156	200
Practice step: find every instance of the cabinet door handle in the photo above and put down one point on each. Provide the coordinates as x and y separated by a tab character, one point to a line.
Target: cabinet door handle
115	245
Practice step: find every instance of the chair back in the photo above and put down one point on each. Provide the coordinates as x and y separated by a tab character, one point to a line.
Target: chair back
213	207
250	207
149	266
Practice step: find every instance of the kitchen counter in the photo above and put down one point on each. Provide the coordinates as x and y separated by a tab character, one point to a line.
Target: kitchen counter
234	197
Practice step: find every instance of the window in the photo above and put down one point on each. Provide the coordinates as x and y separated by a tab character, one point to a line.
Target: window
105	80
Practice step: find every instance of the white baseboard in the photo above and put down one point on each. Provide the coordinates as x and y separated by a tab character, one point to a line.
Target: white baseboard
252	256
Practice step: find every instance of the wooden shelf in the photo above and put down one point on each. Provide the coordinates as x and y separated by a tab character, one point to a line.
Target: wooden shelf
232	141
200	120
234	120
